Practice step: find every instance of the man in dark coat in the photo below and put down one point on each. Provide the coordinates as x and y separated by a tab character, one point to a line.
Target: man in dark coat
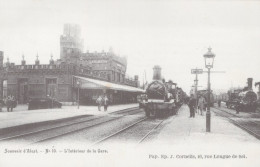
106	101
192	105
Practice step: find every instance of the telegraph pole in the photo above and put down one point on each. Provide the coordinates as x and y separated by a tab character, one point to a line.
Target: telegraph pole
196	72
196	84
258	84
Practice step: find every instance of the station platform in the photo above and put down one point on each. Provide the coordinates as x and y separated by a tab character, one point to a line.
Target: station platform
21	115
182	129
185	140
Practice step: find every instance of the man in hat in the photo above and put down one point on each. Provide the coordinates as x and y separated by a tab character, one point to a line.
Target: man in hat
192	105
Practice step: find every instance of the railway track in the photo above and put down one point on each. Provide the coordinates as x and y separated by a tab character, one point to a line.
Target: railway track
150	132
122	131
226	112
78	126
128	110
249	126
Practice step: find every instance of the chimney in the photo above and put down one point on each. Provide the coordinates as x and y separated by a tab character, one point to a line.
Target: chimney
23	61
157	73
250	83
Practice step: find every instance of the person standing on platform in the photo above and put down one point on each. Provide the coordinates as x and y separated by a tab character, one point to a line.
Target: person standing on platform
99	102
106	101
192	106
201	103
10	103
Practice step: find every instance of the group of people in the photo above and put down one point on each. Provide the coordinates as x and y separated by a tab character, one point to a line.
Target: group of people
193	105
10	102
102	101
199	104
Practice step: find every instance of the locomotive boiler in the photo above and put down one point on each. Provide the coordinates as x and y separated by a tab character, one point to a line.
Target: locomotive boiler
160	100
247	101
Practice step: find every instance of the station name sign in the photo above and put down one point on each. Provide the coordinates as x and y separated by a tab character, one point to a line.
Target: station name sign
196	71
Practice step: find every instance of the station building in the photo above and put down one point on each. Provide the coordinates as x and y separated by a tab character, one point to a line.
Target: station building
76	75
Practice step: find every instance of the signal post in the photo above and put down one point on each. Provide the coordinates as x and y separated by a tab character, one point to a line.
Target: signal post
196	72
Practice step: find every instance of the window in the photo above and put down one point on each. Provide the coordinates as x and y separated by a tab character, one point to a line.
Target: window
51	80
51	87
118	77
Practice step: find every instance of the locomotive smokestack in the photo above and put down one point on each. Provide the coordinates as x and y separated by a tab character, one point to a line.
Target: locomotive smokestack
157	73
250	83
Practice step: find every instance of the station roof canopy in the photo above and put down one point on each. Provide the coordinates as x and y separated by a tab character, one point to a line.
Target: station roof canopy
88	83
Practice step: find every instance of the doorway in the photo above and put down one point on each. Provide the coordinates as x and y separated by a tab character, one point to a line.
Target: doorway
51	87
23	91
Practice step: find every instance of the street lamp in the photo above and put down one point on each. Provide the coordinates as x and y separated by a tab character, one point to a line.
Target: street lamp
209	60
78	85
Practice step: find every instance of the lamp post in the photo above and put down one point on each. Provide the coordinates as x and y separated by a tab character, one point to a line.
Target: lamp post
78	85
209	60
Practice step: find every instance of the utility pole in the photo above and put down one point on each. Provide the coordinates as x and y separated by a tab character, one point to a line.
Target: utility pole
196	72
144	79
196	85
78	85
258	84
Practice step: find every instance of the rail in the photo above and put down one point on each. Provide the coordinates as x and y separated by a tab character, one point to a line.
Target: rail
14	137
247	129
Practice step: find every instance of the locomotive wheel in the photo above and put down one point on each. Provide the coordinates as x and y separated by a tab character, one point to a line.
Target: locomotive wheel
228	106
172	111
147	113
153	113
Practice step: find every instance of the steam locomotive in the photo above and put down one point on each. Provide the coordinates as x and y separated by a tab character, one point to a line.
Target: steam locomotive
243	99
163	98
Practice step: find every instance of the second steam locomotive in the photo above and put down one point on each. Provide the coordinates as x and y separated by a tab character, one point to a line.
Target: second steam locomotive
242	99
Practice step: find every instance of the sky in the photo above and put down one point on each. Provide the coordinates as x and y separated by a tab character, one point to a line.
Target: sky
168	33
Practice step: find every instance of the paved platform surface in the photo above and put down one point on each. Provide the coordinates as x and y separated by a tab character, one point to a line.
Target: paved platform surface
22	116
182	129
182	135
20	107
